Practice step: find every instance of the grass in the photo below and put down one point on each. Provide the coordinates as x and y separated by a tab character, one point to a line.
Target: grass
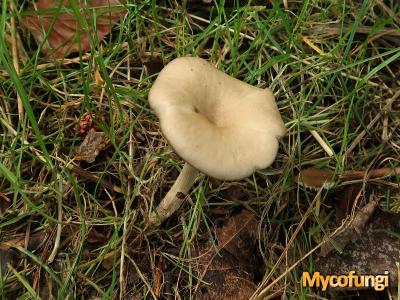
331	64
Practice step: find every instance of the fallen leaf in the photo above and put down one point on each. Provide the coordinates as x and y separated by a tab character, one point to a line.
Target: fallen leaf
236	193
228	270
35	241
108	260
95	236
93	143
314	178
239	235
85	123
68	35
373	252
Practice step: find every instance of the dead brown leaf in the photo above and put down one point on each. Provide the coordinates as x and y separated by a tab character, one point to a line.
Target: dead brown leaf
68	35
35	241
95	236
93	143
239	235
229	269
314	178
373	252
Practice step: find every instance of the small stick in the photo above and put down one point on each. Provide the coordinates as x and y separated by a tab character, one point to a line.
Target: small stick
385	136
322	143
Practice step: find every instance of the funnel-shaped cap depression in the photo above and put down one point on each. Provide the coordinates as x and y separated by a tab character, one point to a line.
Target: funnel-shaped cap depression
222	126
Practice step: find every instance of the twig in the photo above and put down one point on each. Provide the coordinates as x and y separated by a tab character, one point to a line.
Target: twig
322	143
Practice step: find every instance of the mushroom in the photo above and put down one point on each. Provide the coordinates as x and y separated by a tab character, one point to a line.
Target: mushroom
219	125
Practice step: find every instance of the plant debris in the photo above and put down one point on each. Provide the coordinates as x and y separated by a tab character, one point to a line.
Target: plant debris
87	122
69	34
93	143
238	235
324	178
374	250
227	270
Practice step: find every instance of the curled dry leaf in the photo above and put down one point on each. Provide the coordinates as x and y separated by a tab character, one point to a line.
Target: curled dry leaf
68	35
91	146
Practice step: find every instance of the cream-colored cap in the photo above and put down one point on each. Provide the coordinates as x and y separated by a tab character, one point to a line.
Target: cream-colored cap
220	125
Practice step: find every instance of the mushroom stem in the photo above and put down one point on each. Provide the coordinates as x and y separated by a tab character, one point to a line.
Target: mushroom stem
175	197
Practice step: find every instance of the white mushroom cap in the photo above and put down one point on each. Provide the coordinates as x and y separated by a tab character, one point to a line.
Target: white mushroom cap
220	125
